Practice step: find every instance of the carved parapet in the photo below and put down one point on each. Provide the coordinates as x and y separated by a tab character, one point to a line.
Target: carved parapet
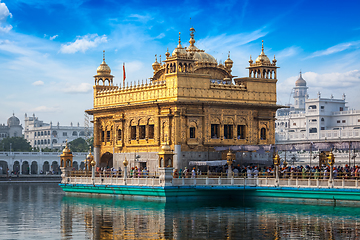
166	176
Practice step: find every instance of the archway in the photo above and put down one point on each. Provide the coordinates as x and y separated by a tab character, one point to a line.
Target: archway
106	160
3	167
34	167
25	168
16	167
46	167
82	166
55	167
75	166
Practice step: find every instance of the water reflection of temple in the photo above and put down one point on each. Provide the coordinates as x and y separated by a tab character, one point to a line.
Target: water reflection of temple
115	219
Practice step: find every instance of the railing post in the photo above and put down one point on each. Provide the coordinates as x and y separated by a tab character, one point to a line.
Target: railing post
219	181
207	180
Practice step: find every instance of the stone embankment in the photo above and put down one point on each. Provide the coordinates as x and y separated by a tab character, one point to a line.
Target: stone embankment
31	179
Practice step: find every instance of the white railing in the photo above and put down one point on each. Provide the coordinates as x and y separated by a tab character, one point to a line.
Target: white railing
241	182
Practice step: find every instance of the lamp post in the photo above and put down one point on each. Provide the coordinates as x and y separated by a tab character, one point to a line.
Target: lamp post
93	163
331	160
125	162
276	160
230	157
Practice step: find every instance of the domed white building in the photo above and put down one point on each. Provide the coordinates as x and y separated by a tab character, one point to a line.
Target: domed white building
12	128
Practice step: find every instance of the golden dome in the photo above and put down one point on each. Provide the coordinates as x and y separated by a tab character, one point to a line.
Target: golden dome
103	69
66	150
165	147
199	55
262	58
179	50
156	65
228	62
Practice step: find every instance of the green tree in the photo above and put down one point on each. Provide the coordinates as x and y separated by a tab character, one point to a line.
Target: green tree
79	145
18	144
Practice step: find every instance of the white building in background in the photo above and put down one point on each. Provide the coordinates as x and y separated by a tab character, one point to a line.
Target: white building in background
13	128
42	135
316	120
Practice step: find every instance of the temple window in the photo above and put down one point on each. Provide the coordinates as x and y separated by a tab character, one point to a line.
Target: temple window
35	134
45	133
142	131
42	133
74	133
102	136
119	135
215	130
263	134
133	132
228	131
192	132
151	132
64	134
48	141
42	142
107	136
241	132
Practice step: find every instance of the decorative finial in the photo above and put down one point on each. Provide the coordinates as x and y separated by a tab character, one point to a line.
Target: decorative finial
160	58
155	57
179	38
262	46
229	54
103	55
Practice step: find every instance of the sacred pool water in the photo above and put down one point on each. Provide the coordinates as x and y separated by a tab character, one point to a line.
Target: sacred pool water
43	211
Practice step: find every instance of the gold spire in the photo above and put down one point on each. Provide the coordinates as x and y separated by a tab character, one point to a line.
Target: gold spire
103	55
262	47
179	46
192	40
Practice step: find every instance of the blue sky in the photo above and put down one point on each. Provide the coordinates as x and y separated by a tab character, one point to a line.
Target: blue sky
49	50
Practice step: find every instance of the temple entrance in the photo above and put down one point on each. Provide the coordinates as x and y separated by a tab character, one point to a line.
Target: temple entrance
16	167
34	168
75	166
55	167
46	167
3	167
106	160
25	168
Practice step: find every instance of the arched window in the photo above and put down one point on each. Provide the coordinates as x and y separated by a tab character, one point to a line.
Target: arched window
45	133
42	133
82	133
48	132
42	142
54	133
48	141
35	142
286	124
38	133
119	135
192	132
263	134
35	134
322	119
74	133
54	141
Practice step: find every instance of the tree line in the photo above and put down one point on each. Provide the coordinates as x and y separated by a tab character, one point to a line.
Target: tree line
20	144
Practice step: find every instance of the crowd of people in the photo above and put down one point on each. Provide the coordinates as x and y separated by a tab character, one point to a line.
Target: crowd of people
252	171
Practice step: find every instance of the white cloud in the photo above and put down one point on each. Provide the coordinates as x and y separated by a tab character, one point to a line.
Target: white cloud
53	37
83	43
38	83
288	52
44	109
5	29
335	49
328	83
4	12
140	18
81	88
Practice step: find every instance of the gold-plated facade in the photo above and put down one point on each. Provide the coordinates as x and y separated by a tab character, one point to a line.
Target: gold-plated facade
192	103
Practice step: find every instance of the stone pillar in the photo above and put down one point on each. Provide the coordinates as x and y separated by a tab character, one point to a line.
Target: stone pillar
166	176
96	142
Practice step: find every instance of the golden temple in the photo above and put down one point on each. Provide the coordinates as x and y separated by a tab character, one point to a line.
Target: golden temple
192	103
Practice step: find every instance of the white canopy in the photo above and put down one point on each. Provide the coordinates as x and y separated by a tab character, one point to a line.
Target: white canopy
208	163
